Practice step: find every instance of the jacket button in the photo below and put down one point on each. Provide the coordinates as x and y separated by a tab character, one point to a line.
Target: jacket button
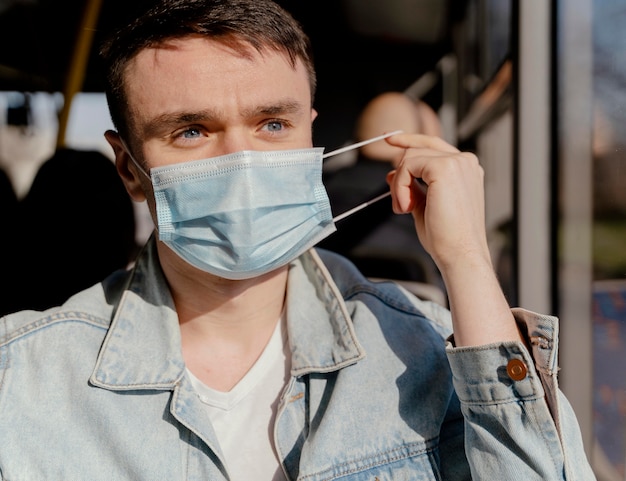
516	369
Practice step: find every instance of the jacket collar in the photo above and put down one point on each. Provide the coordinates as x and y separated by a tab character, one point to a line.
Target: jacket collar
142	349
321	333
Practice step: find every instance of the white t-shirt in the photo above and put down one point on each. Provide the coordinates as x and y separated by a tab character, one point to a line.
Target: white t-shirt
243	418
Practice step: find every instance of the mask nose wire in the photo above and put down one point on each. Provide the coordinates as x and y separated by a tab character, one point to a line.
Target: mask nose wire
356	146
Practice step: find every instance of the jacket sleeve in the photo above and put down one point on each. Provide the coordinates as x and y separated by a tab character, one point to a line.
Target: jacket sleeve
518	424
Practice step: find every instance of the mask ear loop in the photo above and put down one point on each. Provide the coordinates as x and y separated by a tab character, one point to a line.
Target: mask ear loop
360	206
141	169
356	146
360	144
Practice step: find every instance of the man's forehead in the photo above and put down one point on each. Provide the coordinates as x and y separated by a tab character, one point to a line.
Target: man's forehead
202	77
200	54
220	46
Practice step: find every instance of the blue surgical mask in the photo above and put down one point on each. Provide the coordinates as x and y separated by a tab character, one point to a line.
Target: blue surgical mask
244	214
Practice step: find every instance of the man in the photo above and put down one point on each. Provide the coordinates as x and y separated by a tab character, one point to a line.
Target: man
227	352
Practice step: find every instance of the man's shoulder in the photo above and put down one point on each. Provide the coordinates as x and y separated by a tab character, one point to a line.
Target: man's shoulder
91	308
386	298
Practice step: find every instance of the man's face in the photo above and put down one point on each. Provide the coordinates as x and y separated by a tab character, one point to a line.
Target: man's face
196	98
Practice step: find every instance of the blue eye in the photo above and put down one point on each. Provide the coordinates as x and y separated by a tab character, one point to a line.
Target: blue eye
274	126
191	133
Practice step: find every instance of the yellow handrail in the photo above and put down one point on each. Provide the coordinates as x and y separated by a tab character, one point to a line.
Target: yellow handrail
78	64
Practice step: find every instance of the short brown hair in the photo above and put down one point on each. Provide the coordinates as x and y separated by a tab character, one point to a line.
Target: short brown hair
260	23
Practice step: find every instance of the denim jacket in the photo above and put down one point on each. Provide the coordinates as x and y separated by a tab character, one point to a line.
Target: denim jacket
96	389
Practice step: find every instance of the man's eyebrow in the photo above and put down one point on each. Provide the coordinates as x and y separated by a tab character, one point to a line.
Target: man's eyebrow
171	120
279	108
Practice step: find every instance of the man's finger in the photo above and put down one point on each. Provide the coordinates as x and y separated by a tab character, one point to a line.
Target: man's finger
419	141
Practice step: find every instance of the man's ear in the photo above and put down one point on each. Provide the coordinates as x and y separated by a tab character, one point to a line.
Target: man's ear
313	115
126	168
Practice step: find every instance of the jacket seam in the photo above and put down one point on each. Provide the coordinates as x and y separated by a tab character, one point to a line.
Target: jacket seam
49	321
387	300
503	401
423	449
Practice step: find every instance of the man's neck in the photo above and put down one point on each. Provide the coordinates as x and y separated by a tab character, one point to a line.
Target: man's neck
225	325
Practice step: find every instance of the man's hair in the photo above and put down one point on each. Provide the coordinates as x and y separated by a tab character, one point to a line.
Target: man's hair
262	24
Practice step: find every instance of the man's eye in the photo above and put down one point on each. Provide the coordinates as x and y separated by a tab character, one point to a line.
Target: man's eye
274	126
190	133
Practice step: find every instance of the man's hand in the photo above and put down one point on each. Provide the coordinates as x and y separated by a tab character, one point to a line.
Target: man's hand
449	219
452	222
